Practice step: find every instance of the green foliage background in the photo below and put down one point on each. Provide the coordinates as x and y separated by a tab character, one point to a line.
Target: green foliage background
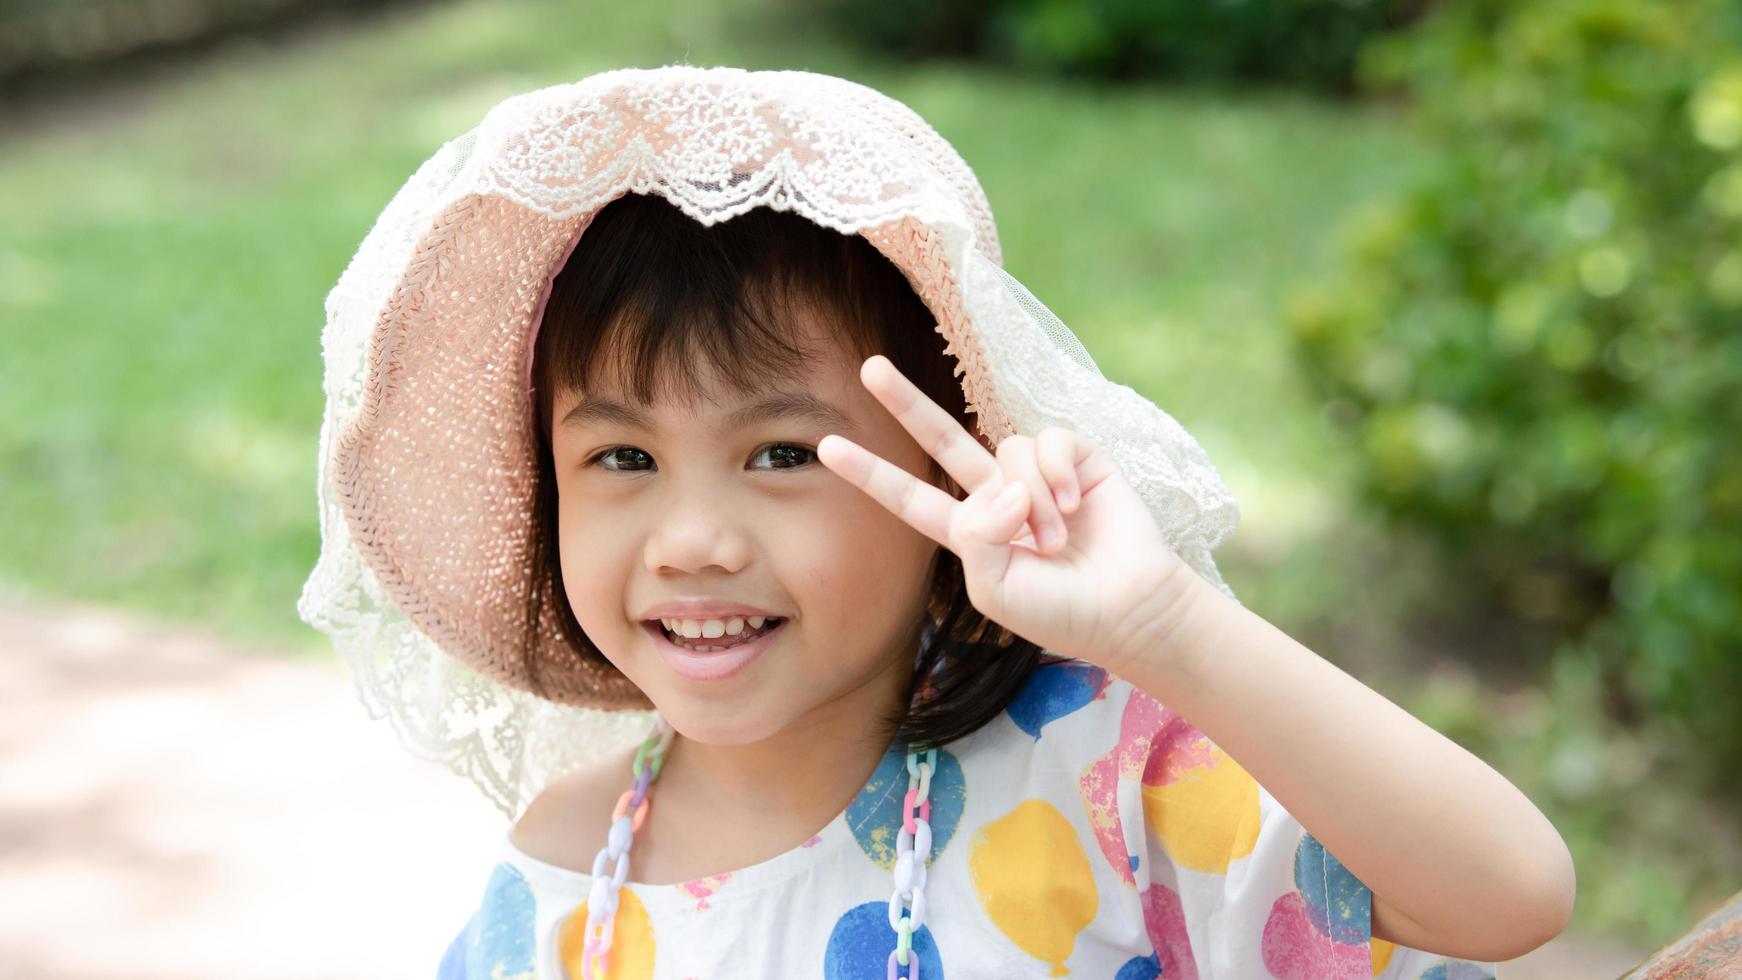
1304	42
1533	357
1535	352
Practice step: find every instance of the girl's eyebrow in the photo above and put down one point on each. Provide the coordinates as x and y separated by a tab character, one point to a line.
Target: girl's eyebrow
800	405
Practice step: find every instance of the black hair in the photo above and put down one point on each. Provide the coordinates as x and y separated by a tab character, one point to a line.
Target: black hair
662	290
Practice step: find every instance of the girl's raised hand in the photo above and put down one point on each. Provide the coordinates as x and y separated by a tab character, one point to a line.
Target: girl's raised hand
1091	579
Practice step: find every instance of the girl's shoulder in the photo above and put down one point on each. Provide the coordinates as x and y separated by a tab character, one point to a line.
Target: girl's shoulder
567	821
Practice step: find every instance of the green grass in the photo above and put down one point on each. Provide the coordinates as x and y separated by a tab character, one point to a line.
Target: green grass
167	256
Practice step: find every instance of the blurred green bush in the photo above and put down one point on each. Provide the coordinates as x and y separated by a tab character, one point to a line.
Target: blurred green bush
1309	42
1536	352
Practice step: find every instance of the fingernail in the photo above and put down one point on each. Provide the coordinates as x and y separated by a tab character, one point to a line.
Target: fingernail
1047	535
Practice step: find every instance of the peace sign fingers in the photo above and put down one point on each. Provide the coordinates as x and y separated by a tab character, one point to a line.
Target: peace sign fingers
937	432
924	507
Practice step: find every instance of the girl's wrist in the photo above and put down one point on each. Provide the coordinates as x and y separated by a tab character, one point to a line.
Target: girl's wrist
1168	635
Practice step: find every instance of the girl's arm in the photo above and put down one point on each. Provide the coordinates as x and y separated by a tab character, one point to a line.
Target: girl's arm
1459	861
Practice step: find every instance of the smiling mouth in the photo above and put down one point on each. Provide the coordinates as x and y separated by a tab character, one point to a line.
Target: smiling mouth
705	644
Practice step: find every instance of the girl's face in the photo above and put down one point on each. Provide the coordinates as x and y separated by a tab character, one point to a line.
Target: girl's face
725	501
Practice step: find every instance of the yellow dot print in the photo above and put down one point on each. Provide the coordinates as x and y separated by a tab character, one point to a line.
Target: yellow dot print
1381	951
631	955
1034	881
1206	816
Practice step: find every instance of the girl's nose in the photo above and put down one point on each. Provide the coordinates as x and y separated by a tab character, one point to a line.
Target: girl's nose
697	537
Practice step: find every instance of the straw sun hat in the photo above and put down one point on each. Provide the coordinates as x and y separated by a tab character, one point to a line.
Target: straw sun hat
426	450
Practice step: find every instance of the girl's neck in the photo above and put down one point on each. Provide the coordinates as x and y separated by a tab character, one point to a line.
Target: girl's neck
726	807
826	755
797	772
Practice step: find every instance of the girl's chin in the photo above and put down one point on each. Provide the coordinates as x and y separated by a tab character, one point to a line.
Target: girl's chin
711	723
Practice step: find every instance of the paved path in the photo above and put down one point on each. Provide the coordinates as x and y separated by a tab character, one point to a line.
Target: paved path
172	808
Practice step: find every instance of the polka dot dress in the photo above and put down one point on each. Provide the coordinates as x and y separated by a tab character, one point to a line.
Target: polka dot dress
1089	831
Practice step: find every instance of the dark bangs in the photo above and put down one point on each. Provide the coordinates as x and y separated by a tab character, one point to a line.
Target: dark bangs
662	294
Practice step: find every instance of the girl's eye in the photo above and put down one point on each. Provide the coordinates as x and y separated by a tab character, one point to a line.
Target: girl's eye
612	453
785	456
788	456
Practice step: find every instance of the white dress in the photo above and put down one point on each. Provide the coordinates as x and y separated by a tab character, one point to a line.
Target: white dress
1087	831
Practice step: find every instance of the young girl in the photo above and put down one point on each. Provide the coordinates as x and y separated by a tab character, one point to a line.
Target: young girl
644	394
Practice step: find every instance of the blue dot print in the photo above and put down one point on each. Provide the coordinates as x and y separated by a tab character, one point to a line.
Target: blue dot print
859	946
502	938
1338	904
875	814
453	965
1054	691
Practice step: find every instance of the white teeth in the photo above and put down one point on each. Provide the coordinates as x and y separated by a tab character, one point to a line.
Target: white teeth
713	628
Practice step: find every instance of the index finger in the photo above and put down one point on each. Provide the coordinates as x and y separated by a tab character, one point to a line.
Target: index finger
937	432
